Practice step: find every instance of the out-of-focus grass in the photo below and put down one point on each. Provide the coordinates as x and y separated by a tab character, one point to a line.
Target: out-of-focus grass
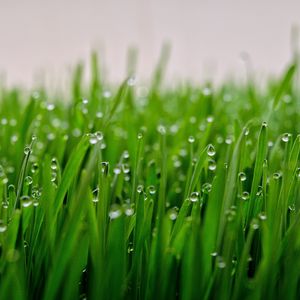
147	192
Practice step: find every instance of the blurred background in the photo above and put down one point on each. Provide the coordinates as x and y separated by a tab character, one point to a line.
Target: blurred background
207	36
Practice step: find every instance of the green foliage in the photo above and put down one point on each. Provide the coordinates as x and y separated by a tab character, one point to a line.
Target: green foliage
150	192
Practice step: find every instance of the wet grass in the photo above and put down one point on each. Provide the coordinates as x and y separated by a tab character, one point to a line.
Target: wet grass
145	192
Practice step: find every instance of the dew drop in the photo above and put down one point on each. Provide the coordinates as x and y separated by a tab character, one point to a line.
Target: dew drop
262	216
151	189
50	106
276	175
220	262
117	170
104	167
194	197
26	201
53	164
125	168
245	195
173	213
93	139
34	168
140	188
206	188
3	226
99	135
27	150
140	136
28	180
115	211
285	137
211	150
191	139
254	224
212	165
242	176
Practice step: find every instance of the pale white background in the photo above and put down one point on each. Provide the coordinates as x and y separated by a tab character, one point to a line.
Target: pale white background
207	36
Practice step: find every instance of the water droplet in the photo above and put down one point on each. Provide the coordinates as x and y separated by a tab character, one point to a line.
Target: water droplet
214	254
220	263
254	224
34	168
140	136
151	189
194	197
26	201
262	216
264	124
246	131
245	195
211	150
85	101
106	94
53	176
27	150
298	172
140	188
125	154
93	139
242	176
36	202
129	211
228	140
212	165
104	167
99	114
161	129
50	106
207	91
99	135
125	168
191	139
33	138
28	180
206	188
5	204
292	207
115	211
276	175
259	191
173	213
53	164
285	137
209	119
131	81
3	226
117	170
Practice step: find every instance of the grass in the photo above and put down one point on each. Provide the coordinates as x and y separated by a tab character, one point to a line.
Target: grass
151	192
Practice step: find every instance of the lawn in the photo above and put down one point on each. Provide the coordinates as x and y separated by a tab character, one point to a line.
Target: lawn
151	191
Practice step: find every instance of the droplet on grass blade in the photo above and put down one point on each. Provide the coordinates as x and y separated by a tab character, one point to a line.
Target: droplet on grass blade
115	211
211	150
26	201
151	189
212	165
194	197
3	226
191	139
53	164
206	188
242	176
285	137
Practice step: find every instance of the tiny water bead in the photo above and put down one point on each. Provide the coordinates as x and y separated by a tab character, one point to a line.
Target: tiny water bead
140	136
191	139
292	207
28	180
151	189
129	211
242	176
125	168
245	195
3	226
206	188
27	150
262	216
298	172
115	211
34	168
93	139
104	167
85	101
259	191
173	213
126	154
211	150
285	137
50	106
277	175
264	124
255	224
220	262
53	176
140	188
212	165
117	170
194	197
161	129
54	164
26	201
99	135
